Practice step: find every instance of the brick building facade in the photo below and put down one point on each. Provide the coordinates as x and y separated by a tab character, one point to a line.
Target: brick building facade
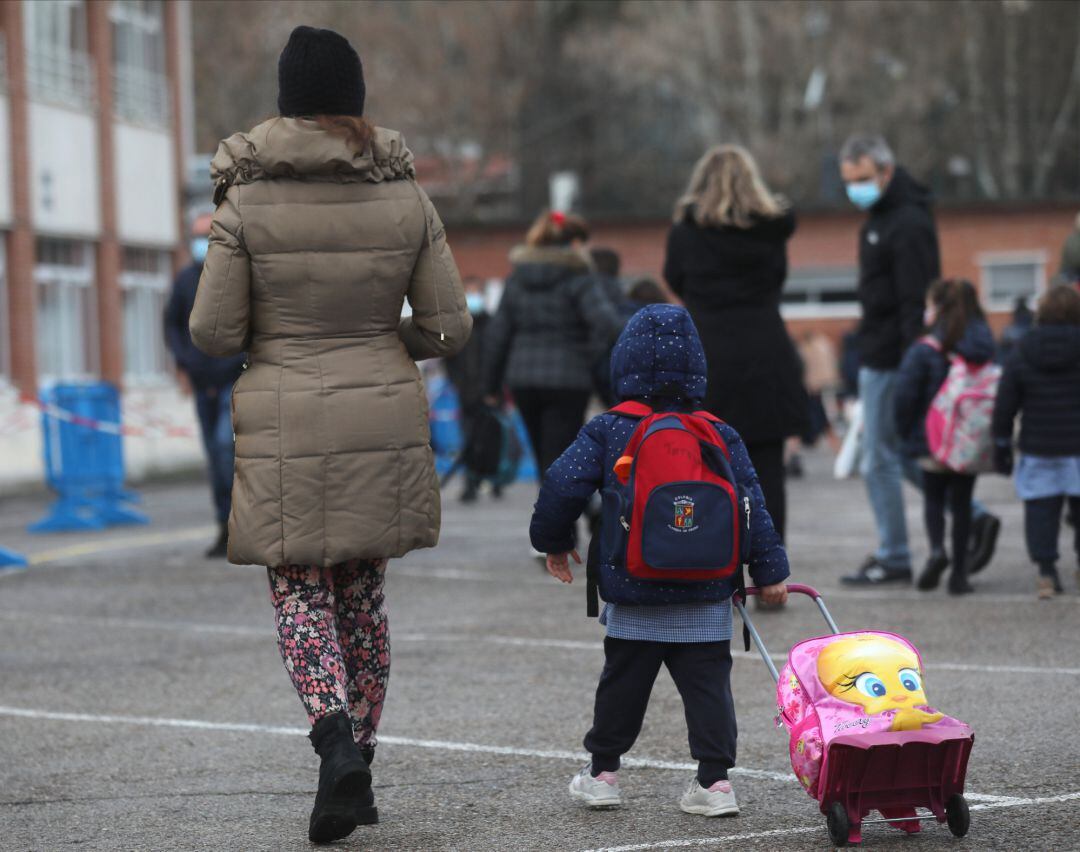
1007	251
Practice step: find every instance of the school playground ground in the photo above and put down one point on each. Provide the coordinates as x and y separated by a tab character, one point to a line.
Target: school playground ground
143	705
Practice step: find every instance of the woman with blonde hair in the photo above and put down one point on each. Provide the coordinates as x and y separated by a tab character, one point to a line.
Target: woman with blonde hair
321	233
727	260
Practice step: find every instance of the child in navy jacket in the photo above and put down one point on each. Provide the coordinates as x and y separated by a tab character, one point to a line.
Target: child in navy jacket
658	360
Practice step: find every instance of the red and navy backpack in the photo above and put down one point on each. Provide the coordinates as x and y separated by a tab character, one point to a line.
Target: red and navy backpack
678	515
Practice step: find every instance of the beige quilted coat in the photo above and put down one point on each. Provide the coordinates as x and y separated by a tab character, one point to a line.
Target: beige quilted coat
312	253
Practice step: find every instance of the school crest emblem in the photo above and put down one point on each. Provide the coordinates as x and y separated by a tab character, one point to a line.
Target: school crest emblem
684	514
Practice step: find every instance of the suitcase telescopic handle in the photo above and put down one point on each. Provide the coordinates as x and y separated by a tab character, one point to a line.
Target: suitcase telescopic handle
793	588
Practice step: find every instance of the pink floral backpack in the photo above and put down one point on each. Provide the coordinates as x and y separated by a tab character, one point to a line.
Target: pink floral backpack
958	424
864	682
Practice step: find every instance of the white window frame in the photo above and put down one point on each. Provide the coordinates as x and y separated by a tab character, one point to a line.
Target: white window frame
1036	257
140	87
65	277
155	282
815	309
58	64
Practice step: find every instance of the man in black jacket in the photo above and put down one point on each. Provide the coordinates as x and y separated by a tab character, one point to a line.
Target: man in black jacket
210	380
898	258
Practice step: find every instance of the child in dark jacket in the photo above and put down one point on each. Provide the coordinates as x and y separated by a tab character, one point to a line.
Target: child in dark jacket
658	360
1042	382
958	327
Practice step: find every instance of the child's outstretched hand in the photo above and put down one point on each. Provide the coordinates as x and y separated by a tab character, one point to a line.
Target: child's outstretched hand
774	595
558	565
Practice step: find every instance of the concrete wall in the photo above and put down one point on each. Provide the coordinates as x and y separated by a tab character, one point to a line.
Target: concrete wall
146	185
64	181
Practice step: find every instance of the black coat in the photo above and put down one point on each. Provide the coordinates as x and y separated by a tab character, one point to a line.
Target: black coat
466	369
203	370
922	373
898	258
730	280
1041	382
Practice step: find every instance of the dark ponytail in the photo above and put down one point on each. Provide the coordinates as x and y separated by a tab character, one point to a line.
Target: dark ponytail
957	304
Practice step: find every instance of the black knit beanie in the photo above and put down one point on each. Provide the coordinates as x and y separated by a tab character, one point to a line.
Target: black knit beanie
319	73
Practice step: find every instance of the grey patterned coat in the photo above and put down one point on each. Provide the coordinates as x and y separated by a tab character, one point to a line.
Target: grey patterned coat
553	323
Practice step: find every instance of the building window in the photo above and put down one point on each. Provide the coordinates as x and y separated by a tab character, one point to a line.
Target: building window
144	280
1007	277
67	345
57	62
821	292
140	89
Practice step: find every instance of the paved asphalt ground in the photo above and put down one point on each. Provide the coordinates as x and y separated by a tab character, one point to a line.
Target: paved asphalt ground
143	704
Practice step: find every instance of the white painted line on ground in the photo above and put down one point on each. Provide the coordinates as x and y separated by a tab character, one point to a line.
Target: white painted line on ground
480	638
723	840
437	745
515	573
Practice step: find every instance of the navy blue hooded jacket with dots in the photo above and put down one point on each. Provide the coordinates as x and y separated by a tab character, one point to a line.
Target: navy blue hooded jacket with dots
657	359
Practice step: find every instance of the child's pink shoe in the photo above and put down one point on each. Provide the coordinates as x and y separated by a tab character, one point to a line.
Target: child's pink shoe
718	800
599	792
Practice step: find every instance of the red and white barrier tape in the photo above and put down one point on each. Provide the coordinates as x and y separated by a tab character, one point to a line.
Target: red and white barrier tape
20	421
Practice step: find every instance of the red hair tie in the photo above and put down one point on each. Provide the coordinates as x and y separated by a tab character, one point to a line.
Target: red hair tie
558	218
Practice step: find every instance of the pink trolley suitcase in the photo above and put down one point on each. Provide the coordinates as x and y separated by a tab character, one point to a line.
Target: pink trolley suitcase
862	737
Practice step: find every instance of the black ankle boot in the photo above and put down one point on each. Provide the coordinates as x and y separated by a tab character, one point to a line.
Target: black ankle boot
220	548
931	574
958	581
344	778
366	812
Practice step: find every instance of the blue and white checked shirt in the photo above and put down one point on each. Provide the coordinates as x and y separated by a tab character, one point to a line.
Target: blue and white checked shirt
692	622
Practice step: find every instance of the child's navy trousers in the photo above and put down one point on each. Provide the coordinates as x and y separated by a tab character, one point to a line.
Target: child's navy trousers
702	674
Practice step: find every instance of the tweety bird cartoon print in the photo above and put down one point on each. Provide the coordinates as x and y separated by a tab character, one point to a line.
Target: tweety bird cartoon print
880	675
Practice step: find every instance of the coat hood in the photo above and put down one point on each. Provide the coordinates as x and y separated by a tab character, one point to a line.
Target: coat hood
904	189
977	344
544	266
659	353
540	267
1051	347
299	148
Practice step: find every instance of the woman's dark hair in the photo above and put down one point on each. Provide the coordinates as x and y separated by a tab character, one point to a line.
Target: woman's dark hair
553	228
352	128
1060	305
957	304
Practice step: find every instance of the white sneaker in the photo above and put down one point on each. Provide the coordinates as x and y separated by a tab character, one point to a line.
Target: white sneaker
599	792
718	800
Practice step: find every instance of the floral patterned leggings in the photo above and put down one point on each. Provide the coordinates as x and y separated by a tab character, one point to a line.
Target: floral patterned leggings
334	639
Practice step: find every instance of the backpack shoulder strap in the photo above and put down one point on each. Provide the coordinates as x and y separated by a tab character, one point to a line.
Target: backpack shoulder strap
708	415
931	341
631	408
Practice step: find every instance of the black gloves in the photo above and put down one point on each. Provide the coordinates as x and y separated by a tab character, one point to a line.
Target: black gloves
1003	456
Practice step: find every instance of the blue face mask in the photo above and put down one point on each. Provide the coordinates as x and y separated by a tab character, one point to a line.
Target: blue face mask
199	245
864	194
475	302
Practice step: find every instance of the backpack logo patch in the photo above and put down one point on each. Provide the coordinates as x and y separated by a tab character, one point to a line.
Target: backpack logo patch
684	515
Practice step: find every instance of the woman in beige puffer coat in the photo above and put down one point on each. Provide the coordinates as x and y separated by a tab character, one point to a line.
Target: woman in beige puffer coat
321	234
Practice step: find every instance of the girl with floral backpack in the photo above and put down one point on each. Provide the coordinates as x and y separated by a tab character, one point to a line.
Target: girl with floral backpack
947	382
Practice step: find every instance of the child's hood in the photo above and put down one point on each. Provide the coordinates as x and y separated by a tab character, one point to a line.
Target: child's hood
659	353
977	344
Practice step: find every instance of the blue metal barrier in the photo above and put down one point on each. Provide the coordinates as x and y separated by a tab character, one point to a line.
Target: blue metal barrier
84	459
11	559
